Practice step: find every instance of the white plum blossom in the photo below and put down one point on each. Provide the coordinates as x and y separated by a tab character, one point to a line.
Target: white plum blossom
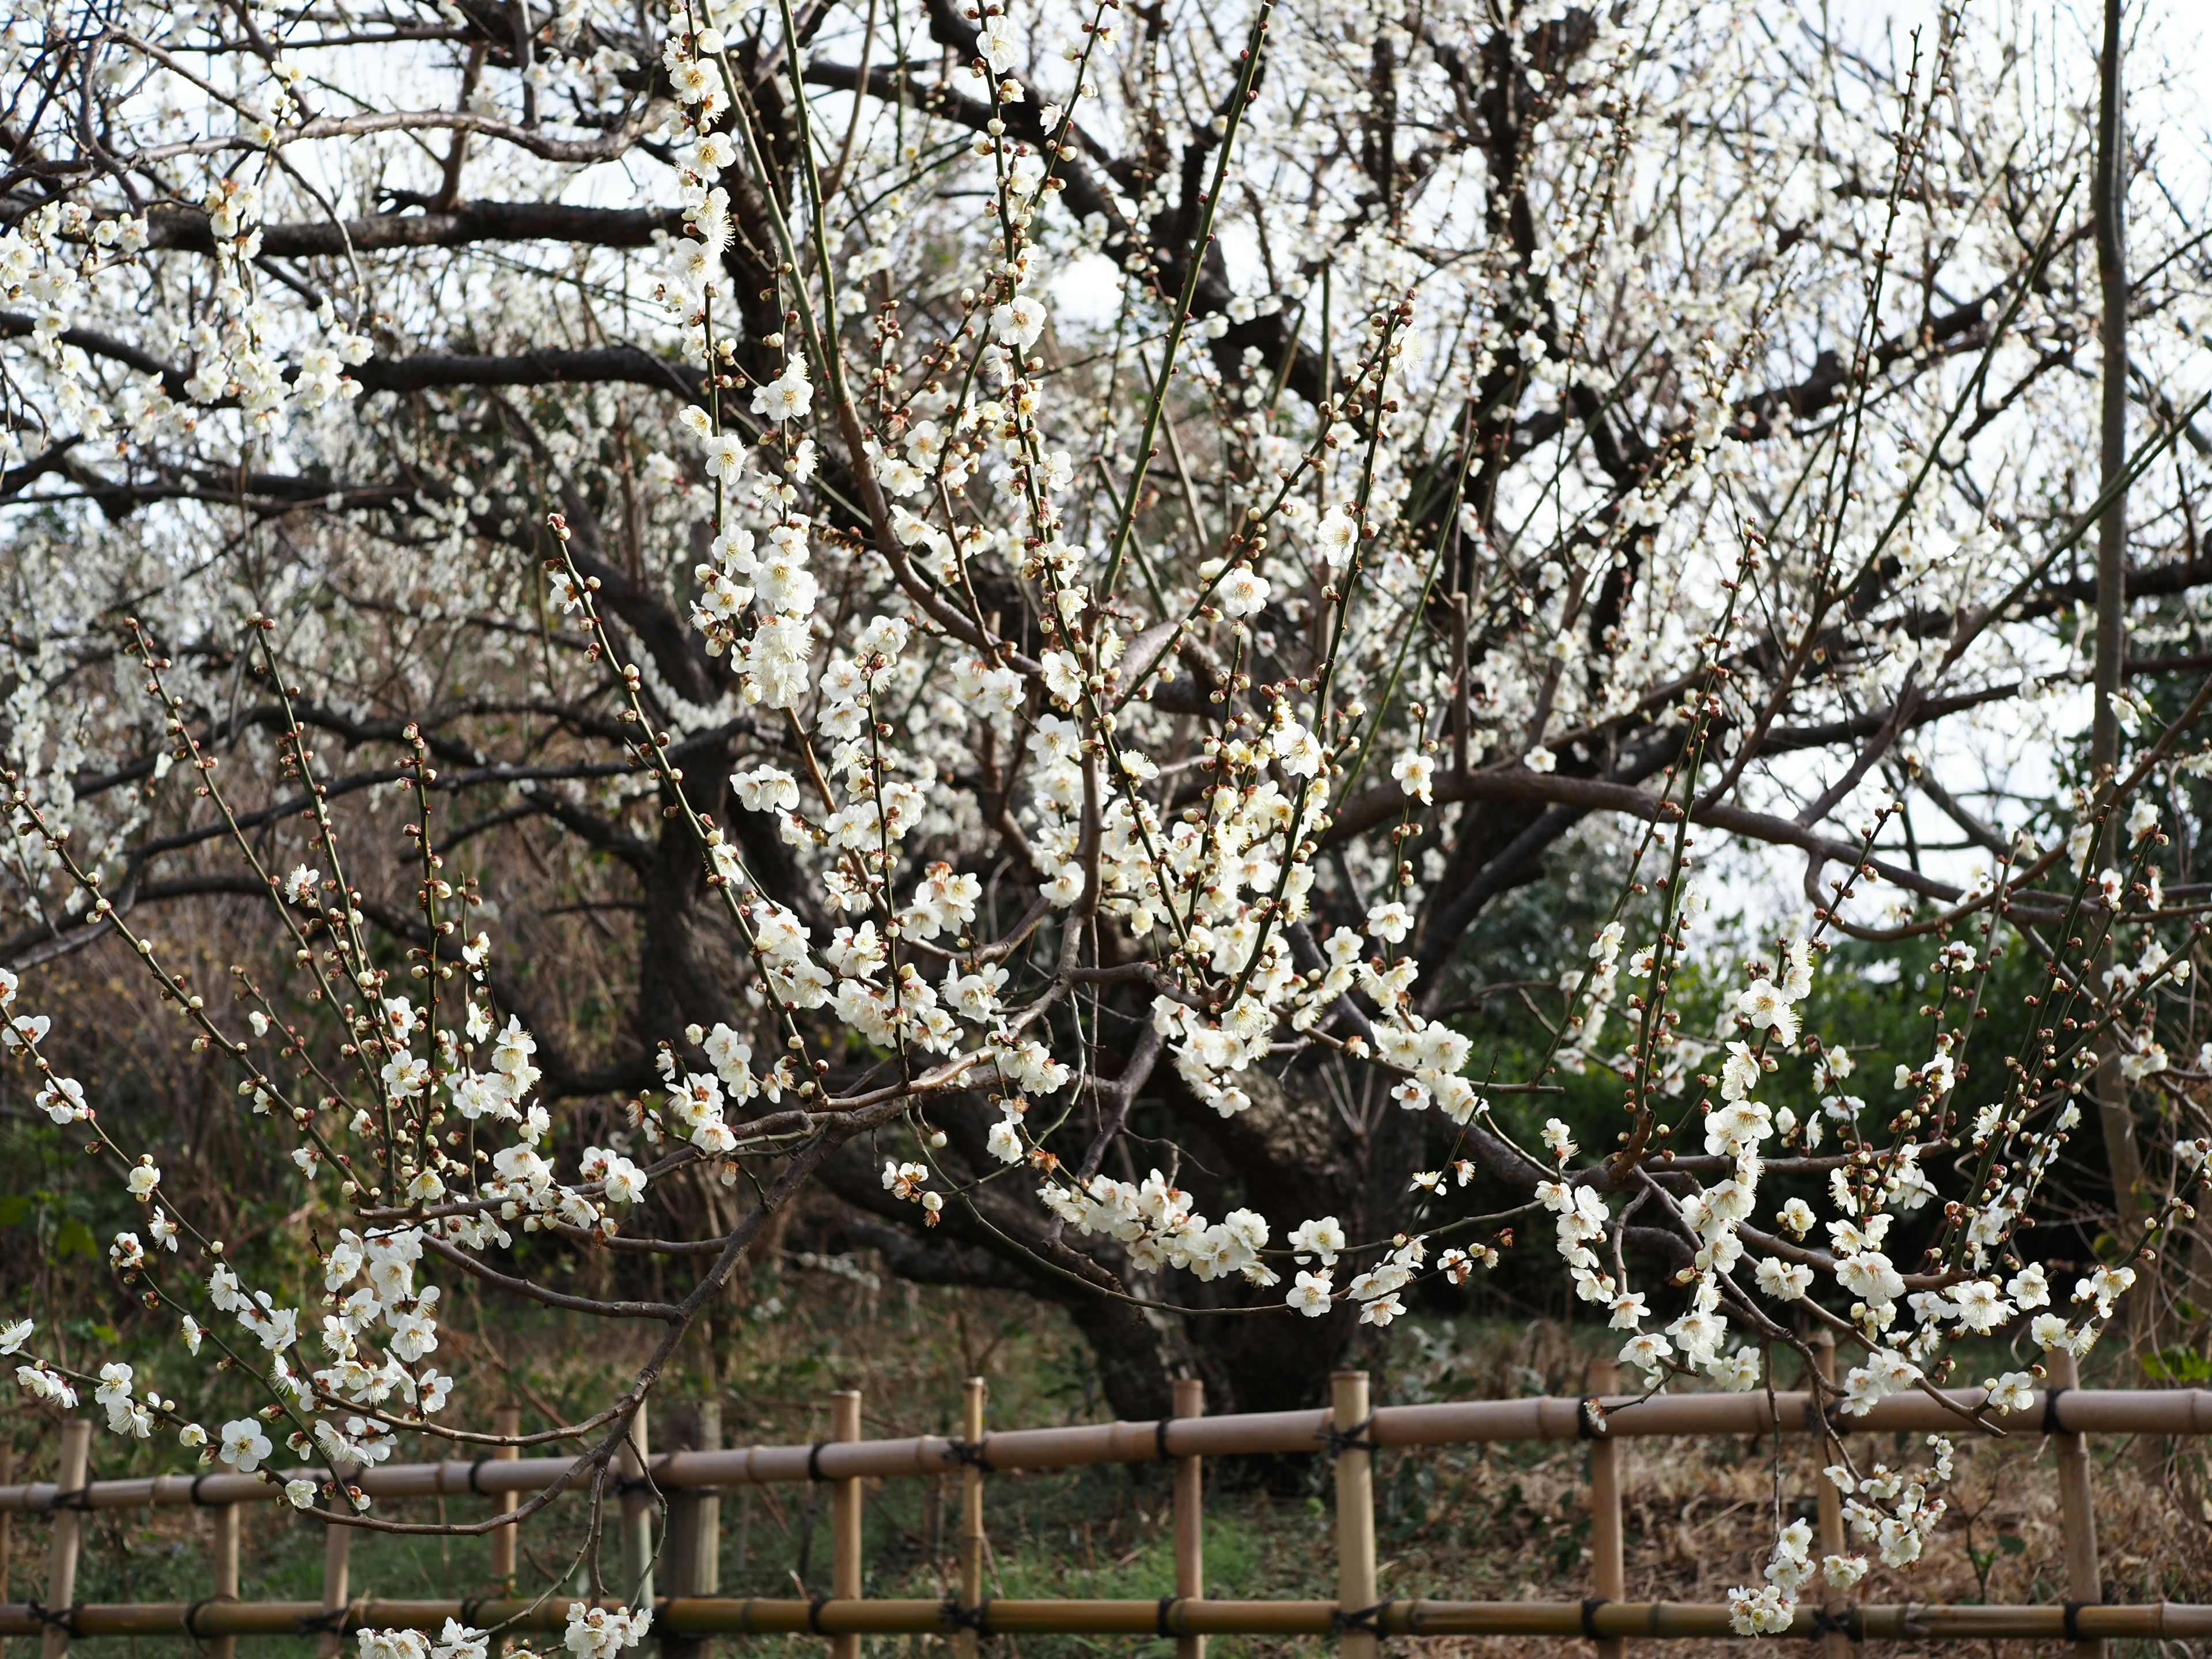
600	1632
786	398
1019	321
1321	1240
244	1445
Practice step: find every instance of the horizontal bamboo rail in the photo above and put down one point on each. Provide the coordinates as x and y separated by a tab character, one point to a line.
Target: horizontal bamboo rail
1177	1617
2076	1411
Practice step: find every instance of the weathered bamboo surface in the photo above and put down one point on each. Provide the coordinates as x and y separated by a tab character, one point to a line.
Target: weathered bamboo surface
1176	1617
2076	1411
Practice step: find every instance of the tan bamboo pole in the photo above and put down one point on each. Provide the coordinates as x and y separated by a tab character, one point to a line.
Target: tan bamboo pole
1834	1644
7	1525
706	1519
2077	1513
337	1562
1917	1621
695	1536
971	1515
507	1423
1467	1422
1355	1515
845	1517
707	1512
1608	1559
637	1511
1189	1516
61	1563
224	1551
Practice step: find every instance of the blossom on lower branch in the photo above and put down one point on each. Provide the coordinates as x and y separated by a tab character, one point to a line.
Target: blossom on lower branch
1771	1609
593	1632
456	1641
906	1181
600	1632
1765	1612
1154	1221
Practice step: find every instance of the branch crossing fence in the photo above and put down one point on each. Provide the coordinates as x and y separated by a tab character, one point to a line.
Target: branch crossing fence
1349	1431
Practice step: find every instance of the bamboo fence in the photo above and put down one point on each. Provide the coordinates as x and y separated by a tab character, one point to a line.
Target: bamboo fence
1348	1431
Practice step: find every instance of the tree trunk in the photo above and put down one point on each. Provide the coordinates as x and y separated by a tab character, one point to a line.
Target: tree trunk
1291	1155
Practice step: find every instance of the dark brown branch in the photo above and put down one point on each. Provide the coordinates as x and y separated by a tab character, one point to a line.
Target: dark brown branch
187	230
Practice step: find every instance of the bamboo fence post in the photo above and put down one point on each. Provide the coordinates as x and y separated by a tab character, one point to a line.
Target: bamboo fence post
637	1511
2076	1510
845	1518
1834	1644
6	1525
507	1423
1190	1516
338	1560
1355	1514
743	1550
971	1515
694	1532
706	1540
1609	1563
61	1565
337	1555
229	1519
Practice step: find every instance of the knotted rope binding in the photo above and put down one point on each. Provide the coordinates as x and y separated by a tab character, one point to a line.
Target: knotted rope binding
978	1618
1341	1441
971	1453
2050	1422
192	1616
1362	1619
63	1618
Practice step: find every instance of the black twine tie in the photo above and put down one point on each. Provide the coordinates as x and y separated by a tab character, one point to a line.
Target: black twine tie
1341	1441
